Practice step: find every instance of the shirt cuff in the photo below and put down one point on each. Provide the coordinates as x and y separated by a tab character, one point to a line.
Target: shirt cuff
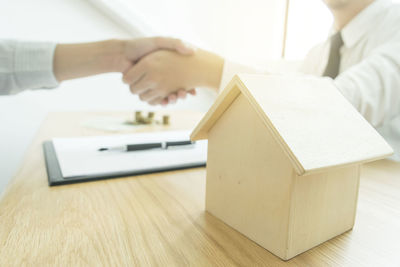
33	65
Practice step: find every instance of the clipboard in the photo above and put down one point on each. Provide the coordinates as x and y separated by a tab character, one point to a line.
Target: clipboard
56	177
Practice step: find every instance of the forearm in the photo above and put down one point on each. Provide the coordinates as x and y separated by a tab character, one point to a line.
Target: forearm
208	68
86	59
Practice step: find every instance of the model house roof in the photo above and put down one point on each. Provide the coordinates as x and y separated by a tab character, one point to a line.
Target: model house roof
314	124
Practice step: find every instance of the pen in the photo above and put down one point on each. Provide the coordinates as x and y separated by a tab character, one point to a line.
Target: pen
147	146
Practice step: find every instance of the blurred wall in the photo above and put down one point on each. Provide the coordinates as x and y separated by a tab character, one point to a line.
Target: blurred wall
309	23
246	31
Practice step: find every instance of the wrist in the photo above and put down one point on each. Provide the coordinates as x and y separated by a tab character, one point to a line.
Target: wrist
113	57
209	70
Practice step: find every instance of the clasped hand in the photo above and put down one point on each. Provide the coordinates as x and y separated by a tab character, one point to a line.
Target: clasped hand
158	70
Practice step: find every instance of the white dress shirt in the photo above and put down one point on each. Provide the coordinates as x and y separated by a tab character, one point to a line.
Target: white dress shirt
369	73
26	65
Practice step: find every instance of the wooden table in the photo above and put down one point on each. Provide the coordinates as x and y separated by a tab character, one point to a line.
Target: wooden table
159	219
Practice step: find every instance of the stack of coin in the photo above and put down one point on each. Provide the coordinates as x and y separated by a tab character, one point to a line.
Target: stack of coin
138	117
165	120
150	118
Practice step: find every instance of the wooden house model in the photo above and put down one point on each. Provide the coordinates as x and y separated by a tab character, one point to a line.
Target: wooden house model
284	156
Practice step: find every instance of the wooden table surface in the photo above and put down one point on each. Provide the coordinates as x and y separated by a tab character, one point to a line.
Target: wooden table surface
159	219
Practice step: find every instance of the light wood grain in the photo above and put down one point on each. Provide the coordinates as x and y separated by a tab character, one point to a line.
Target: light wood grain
159	219
249	178
252	186
223	101
323	205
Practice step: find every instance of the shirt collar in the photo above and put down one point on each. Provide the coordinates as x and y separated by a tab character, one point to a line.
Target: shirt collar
362	23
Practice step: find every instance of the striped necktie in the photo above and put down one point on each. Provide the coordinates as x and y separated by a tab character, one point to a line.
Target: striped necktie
332	68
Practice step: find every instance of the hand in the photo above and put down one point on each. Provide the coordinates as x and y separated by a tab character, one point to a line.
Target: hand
135	49
162	73
173	97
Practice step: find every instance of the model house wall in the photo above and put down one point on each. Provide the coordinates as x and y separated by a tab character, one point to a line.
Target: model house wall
323	205
284	156
252	186
246	173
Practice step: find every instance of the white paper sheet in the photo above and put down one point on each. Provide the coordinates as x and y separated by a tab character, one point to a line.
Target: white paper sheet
80	156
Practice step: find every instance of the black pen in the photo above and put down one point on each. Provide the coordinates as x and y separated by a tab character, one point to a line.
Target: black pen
147	146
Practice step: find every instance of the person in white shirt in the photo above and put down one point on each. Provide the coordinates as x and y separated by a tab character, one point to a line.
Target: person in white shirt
31	65
362	57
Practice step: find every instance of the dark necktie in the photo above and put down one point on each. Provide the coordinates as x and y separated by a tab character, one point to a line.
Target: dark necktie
332	68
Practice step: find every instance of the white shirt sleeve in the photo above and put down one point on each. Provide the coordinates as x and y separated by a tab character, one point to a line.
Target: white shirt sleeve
373	85
26	65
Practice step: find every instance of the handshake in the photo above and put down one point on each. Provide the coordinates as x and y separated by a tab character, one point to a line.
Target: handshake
159	70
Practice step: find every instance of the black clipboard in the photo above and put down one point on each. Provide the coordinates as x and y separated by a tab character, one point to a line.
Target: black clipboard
55	176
